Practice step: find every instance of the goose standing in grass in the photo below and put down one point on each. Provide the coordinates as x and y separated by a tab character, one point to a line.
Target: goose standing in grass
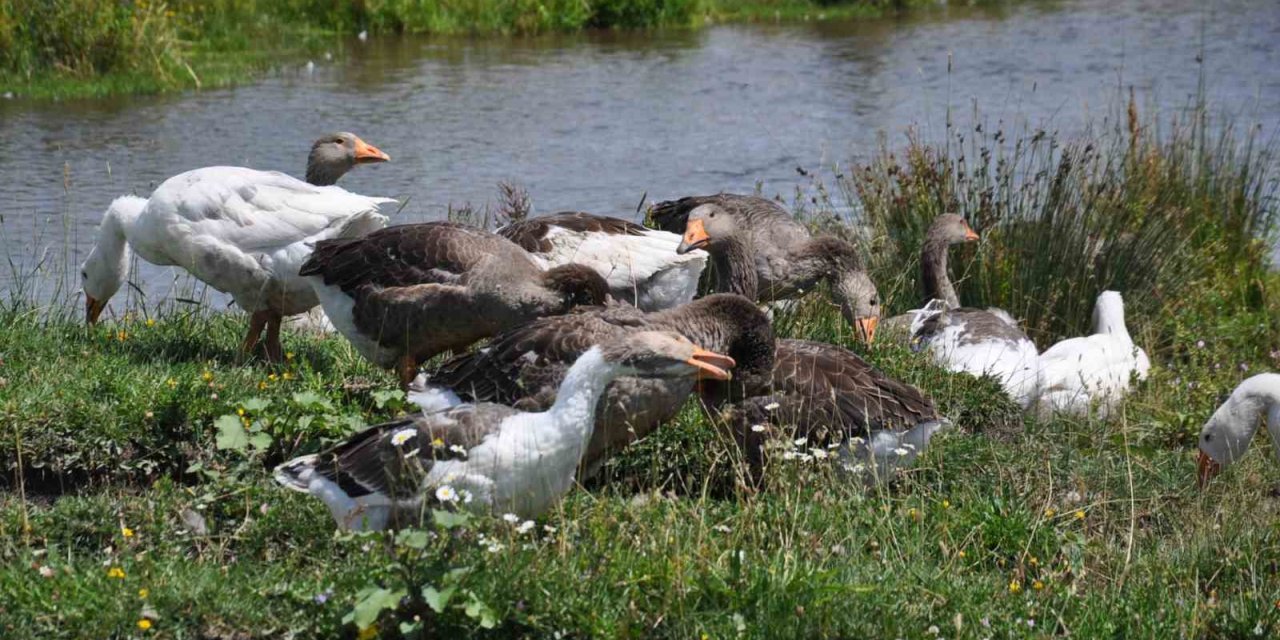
1226	436
977	341
818	390
759	251
241	231
1079	373
403	294
490	457
640	264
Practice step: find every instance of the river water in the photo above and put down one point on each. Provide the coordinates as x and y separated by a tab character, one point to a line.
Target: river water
594	121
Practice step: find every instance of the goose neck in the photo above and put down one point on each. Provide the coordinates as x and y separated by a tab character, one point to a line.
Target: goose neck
580	391
735	269
937	283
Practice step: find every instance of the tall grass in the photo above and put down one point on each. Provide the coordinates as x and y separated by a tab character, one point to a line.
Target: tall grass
1179	214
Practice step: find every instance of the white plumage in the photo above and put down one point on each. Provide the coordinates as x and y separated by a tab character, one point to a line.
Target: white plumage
981	342
1226	435
242	231
1095	370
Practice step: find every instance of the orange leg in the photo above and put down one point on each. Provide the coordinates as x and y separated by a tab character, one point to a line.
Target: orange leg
407	370
275	351
256	322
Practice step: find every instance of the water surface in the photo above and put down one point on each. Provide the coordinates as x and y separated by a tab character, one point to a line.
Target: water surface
594	121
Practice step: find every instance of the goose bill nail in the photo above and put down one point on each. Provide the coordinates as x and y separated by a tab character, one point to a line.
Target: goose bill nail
1206	469
366	152
867	327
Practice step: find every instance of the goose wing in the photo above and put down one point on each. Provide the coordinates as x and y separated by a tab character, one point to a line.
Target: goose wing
529	362
394	458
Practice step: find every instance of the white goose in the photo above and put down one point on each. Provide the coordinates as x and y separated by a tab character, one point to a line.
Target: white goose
641	265
977	341
242	231
1079	373
1225	437
497	459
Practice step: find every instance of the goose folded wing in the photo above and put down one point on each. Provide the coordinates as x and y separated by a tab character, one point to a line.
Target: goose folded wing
403	255
394	458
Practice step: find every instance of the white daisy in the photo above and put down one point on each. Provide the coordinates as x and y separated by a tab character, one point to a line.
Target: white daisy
900	451
525	527
757	428
457	448
511	518
819	454
771	406
800	442
402	436
445	493
723	528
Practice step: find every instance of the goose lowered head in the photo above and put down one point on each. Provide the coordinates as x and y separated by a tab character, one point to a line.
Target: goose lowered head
664	354
1226	436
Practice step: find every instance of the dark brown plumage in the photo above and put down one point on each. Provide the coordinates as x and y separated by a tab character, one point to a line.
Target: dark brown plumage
418	290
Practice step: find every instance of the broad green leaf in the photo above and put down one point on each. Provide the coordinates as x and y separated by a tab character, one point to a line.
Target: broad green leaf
312	401
383	397
481	611
437	600
373	604
255	404
413	538
448	519
231	434
260	441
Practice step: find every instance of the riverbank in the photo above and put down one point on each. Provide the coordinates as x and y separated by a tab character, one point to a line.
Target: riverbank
136	497
84	48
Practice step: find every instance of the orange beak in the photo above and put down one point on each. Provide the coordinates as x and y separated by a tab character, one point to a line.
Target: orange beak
367	153
969	234
92	309
1206	469
711	364
695	237
867	328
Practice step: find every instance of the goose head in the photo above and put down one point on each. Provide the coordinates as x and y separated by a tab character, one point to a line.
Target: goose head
950	228
664	354
859	302
706	227
1225	437
577	285
332	156
1108	313
104	270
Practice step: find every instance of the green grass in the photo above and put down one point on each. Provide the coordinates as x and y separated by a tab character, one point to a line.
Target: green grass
83	48
1092	528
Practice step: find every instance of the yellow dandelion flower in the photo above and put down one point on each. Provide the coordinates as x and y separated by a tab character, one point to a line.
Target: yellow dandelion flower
946	504
126	532
122	335
144	624
1049	513
961	553
1034	561
272	377
206	376
288	355
262	386
143	593
115	572
1037	585
151	322
288	375
437	443
1015	586
171	382
1079	514
240	411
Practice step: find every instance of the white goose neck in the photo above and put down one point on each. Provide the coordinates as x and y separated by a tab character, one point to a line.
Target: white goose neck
581	389
108	261
1108	315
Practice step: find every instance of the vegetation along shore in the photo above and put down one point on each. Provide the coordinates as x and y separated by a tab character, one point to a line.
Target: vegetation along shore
137	499
78	48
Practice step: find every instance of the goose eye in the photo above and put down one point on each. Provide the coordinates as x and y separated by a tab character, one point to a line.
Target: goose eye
84	275
874	302
1208	437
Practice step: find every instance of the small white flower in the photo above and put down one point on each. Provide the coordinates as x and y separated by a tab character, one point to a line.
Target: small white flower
857	440
402	436
834	445
525	527
1031	622
789	455
722	528
45	571
548	528
758	428
820	454
772	406
457	448
445	493
466	496
511	518
495	547
900	451
933	630
908	445
800	442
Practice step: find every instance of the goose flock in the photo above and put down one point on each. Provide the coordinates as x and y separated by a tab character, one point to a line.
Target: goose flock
598	330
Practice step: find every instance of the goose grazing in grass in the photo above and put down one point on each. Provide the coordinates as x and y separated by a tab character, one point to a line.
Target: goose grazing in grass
977	341
403	294
1079	373
640	264
241	231
1226	436
759	251
494	458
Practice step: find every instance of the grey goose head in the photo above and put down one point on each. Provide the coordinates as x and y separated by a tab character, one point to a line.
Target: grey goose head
664	354
951	229
333	155
707	226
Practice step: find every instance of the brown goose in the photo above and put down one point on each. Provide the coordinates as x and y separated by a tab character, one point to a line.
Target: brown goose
640	264
977	341
406	293
759	251
821	389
